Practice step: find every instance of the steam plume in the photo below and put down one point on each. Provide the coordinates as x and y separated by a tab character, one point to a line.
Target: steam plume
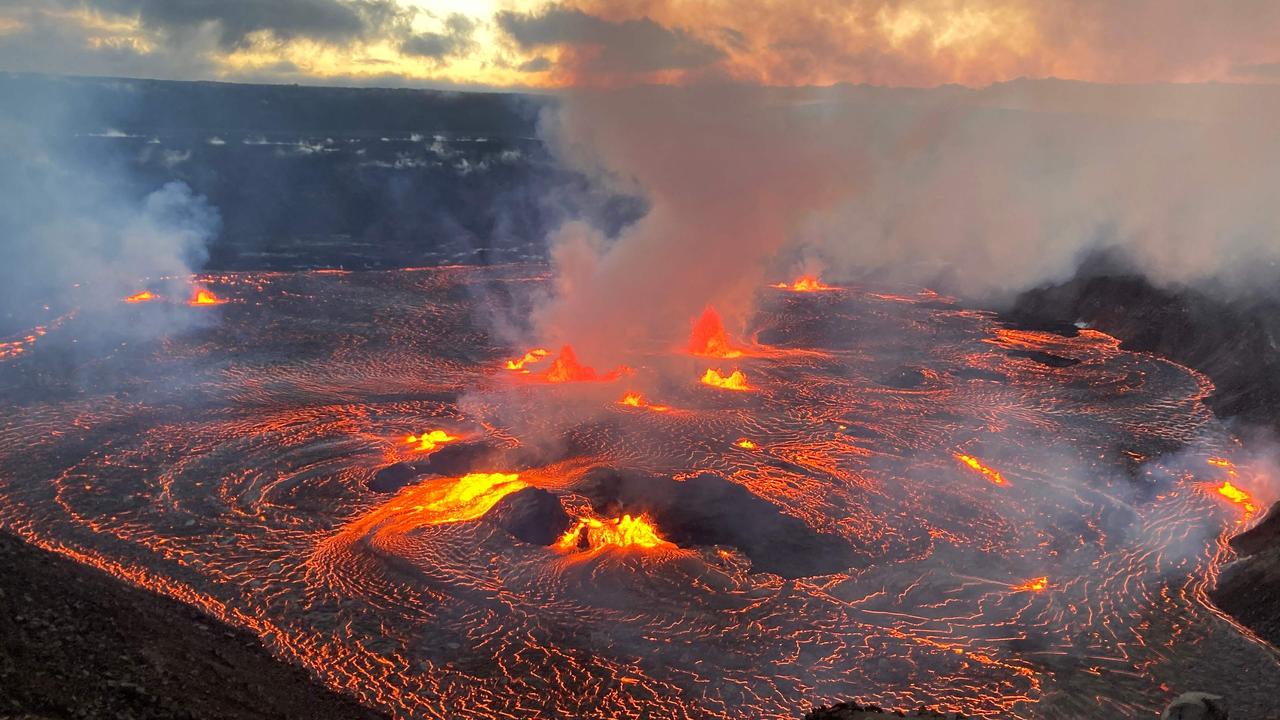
979	193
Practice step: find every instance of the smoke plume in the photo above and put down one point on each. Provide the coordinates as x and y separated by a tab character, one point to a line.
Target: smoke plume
980	193
80	233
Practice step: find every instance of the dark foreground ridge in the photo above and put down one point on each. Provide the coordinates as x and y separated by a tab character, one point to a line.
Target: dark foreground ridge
75	643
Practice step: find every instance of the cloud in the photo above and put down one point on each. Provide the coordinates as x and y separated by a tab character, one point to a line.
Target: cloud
456	40
236	20
629	46
971	42
537	64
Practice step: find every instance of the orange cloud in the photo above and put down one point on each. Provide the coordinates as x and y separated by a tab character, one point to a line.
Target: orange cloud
971	42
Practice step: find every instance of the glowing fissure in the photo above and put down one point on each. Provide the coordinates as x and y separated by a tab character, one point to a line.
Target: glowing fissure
977	465
805	283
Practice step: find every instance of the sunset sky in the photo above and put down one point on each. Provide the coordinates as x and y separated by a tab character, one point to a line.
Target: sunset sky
523	44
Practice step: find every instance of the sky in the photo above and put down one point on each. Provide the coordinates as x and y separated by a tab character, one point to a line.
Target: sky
531	44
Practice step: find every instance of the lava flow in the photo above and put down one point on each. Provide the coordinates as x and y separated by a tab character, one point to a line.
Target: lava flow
834	537
140	297
1237	496
974	463
736	380
708	337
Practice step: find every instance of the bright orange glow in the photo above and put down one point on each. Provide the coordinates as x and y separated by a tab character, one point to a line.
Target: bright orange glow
1237	496
205	297
428	441
1032	585
976	464
805	283
566	368
708	337
623	532
746	444
635	399
452	500
734	381
144	296
532	356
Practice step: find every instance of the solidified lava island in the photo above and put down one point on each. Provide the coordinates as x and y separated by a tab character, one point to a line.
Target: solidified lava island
864	494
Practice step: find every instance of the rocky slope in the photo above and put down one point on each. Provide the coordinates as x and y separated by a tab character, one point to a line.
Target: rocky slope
76	643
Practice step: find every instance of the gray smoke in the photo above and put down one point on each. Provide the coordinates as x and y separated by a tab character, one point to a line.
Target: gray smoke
980	193
78	232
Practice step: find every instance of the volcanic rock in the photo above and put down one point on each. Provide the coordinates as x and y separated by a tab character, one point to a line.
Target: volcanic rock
393	477
532	515
1235	342
448	461
76	642
1196	706
1260	537
857	711
710	510
1249	588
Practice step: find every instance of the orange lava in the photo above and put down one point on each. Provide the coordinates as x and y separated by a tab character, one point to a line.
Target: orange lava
532	356
746	444
994	476
805	283
635	399
205	297
428	441
144	296
1237	496
566	368
446	500
734	381
624	532
708	337
1032	585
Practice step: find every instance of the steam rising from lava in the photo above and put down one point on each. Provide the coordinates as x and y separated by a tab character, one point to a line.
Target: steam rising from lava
883	184
79	236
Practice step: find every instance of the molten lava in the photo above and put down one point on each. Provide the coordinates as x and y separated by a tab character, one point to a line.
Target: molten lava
734	381
466	498
635	399
805	283
428	441
746	444
1032	585
994	476
708	337
530	357
1237	496
624	532
144	296
205	297
566	368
